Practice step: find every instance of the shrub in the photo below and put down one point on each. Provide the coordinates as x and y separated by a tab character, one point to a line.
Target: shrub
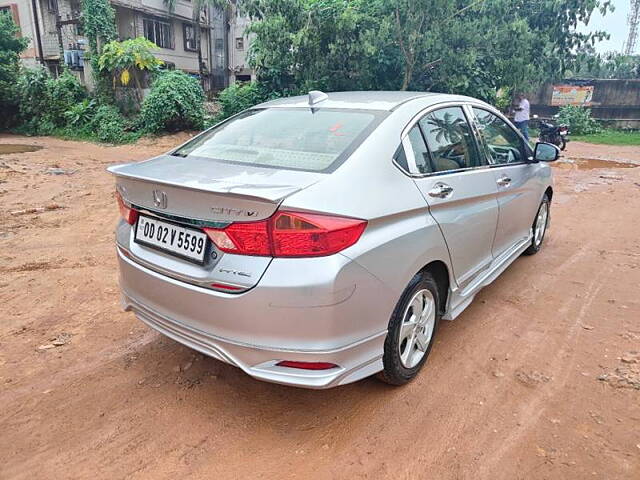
578	119
43	100
33	100
63	93
108	125
175	102
10	48
81	114
239	97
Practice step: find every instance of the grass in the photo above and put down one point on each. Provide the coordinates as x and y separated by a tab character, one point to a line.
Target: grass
610	137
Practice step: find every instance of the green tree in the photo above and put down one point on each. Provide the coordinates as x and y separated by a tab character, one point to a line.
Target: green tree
466	46
127	59
10	48
589	64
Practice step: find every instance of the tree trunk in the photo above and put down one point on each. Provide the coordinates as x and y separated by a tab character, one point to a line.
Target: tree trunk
408	73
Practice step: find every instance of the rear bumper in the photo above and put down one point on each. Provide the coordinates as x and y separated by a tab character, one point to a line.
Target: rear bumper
327	322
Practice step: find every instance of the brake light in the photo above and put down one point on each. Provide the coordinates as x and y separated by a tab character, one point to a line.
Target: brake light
289	234
129	214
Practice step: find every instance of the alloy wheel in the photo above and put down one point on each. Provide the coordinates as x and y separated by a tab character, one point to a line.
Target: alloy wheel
541	223
417	328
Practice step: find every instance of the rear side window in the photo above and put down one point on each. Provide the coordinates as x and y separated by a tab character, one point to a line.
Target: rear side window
450	140
420	151
289	138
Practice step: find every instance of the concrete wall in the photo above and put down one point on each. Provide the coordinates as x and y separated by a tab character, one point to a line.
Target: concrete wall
229	62
22	16
615	102
238	66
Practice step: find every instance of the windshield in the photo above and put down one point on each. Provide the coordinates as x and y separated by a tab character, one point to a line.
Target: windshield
291	138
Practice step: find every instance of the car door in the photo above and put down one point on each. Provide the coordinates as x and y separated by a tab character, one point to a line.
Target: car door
458	186
518	189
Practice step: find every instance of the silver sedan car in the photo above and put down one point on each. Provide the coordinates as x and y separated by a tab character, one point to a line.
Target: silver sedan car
317	240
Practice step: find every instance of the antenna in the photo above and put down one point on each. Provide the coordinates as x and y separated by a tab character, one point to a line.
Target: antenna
316	96
632	20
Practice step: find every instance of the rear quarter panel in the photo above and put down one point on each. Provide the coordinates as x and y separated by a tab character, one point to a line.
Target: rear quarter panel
401	236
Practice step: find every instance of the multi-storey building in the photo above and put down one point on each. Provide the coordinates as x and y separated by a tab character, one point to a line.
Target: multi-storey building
56	36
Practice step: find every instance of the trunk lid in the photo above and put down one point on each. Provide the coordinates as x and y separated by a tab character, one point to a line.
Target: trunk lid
207	190
199	192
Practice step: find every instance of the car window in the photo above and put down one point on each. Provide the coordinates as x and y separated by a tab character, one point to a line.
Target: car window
401	159
420	151
450	140
500	142
290	138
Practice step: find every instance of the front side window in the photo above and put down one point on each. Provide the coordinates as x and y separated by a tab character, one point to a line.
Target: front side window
450	140
158	31
500	142
290	138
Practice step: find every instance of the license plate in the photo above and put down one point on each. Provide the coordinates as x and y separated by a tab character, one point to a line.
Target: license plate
180	241
563	133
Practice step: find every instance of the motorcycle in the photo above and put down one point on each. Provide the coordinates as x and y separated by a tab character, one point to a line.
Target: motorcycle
555	134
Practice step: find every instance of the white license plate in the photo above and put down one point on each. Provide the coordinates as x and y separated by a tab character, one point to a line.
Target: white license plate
563	133
168	237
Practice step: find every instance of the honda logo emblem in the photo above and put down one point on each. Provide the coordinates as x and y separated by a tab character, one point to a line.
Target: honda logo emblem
159	199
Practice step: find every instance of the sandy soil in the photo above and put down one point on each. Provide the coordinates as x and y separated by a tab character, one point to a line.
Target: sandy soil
537	379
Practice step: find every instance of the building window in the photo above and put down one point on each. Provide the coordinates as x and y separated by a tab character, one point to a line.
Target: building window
239	43
12	10
158	31
189	32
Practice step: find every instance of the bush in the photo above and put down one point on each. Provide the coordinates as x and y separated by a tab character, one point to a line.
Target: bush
578	119
239	97
81	114
11	46
63	93
43	100
175	102
108	125
33	101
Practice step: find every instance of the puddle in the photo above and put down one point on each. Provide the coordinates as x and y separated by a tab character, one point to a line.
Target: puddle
8	148
592	164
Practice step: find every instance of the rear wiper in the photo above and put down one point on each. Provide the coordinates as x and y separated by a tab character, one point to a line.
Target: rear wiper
178	154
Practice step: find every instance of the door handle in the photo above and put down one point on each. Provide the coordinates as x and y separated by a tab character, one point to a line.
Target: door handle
504	181
441	190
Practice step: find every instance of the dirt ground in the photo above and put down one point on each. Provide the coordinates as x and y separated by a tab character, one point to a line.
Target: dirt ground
538	379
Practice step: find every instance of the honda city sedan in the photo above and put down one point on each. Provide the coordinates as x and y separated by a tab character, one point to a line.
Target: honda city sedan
317	240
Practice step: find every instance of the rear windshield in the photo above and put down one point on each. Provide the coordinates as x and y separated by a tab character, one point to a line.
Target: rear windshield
291	138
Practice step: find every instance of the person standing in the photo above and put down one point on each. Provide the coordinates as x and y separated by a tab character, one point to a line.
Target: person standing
521	116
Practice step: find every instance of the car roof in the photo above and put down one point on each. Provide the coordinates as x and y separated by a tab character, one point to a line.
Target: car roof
363	100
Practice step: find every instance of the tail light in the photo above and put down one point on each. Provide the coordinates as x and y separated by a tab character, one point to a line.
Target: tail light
129	214
289	234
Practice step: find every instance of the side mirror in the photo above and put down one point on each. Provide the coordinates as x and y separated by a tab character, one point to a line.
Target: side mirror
545	152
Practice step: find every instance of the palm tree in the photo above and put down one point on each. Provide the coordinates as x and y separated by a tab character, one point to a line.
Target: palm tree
448	129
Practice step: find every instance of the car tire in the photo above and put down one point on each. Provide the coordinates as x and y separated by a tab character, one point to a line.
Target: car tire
541	221
405	351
